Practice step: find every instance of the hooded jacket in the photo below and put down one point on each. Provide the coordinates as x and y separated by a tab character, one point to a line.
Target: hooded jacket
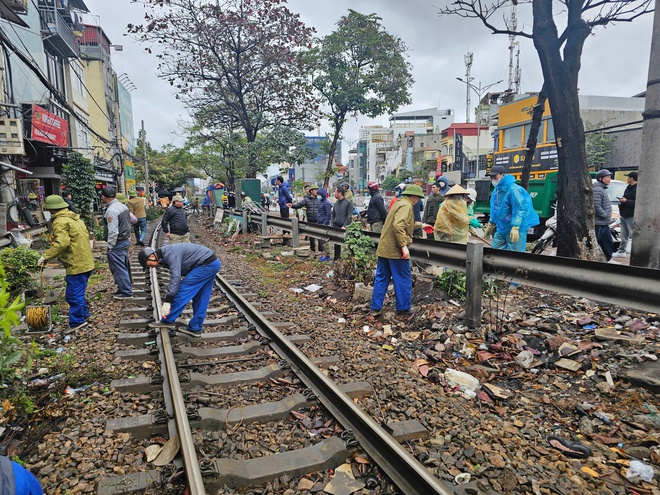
511	206
325	208
283	195
70	243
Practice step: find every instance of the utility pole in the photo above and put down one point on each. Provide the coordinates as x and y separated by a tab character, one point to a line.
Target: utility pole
646	229
147	189
468	80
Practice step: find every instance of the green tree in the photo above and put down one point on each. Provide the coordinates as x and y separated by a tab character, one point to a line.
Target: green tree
598	145
236	64
359	69
170	167
560	53
80	181
390	183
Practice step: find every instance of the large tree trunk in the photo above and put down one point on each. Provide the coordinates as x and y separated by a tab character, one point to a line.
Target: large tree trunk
253	166
338	124
575	211
532	140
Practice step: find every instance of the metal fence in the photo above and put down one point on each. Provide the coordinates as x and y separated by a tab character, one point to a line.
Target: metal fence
623	285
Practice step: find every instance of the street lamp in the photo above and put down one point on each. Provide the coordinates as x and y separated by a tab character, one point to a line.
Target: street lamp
480	92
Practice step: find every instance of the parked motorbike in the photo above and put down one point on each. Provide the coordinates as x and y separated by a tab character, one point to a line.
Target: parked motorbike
550	234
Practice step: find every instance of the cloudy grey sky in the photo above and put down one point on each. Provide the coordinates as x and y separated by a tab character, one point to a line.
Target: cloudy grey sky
614	63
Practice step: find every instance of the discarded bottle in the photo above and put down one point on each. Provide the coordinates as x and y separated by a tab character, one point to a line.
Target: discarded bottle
641	470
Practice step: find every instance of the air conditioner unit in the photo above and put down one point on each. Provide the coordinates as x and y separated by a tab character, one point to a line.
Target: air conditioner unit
11	137
17	5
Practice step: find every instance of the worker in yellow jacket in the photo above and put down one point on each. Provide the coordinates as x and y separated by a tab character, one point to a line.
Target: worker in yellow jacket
71	245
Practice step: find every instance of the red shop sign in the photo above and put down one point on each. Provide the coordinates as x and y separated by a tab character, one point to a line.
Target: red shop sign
49	128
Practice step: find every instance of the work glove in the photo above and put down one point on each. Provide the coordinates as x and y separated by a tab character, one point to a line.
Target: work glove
165	310
475	224
514	235
42	261
405	254
489	230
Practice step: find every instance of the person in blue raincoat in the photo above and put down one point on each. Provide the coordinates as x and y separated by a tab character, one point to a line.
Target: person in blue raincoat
511	212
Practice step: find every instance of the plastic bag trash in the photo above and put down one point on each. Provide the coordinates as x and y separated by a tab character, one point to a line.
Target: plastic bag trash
463	380
525	359
641	470
462	478
589	327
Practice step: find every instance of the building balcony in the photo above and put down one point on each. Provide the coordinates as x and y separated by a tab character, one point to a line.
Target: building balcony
57	33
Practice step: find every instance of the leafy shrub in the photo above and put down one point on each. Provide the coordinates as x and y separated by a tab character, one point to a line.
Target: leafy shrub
20	264
80	181
358	255
154	213
11	348
453	283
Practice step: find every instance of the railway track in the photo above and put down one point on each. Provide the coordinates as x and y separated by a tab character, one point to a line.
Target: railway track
246	382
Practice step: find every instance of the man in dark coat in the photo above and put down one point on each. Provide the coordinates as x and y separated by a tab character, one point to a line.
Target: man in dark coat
627	214
311	205
376	211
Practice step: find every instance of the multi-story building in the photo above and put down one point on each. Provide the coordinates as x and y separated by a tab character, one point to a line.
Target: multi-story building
312	171
48	103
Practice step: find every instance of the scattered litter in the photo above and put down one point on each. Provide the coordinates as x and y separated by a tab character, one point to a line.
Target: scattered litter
313	287
525	359
341	320
296	290
71	391
463	381
569	448
641	470
462	478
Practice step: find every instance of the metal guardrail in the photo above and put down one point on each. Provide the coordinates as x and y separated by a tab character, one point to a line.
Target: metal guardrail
628	286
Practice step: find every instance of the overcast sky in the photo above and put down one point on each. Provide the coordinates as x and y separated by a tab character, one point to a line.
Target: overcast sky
614	63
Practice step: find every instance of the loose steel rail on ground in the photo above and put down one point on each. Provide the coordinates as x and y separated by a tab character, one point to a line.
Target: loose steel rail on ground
173	395
629	286
402	468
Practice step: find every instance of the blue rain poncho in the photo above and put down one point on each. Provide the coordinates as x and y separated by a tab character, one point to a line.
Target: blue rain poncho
511	206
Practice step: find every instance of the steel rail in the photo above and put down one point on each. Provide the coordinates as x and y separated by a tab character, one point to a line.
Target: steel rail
402	468
628	286
174	395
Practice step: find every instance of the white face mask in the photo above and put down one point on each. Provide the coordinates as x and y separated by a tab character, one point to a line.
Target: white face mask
495	182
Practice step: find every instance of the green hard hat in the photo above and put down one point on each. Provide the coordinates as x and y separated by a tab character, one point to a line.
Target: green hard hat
121	197
55	202
413	190
132	194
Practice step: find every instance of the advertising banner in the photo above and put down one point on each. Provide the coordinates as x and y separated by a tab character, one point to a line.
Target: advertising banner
49	128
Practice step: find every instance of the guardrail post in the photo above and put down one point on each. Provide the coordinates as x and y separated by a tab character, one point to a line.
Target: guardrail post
264	224
245	221
295	232
474	282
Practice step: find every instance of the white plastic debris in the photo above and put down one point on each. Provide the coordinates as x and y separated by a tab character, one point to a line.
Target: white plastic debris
525	359
464	381
639	469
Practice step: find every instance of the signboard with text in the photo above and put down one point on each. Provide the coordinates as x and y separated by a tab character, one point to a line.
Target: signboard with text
49	128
